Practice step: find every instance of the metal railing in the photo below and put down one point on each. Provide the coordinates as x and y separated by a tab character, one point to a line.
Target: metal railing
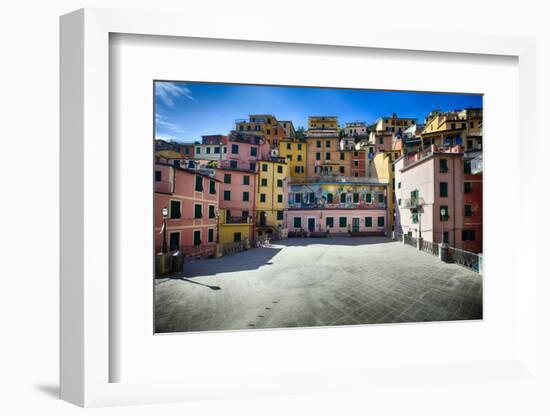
235	247
413	203
465	258
429	247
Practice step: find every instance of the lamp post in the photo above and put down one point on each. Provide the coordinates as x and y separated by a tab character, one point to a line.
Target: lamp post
164	217
443	213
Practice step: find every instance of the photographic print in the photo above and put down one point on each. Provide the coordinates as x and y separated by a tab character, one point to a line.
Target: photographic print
295	207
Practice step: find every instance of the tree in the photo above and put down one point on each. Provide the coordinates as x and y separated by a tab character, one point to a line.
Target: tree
300	133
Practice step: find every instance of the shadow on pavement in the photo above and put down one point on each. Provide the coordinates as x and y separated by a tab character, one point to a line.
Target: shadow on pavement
251	259
201	284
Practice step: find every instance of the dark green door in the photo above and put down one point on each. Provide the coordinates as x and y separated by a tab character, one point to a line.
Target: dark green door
311	224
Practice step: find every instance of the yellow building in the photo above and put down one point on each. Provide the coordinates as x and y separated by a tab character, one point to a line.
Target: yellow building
393	124
262	124
322	123
381	167
233	232
295	152
270	195
462	127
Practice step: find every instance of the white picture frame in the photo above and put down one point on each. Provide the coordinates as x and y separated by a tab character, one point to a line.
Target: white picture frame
85	211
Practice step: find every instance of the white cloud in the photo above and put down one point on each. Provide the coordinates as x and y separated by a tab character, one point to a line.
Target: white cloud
161	121
168	92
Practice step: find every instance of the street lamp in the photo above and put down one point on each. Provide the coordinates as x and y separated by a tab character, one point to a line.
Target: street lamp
443	213
164	217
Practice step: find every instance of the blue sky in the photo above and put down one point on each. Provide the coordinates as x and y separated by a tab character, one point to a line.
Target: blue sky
186	110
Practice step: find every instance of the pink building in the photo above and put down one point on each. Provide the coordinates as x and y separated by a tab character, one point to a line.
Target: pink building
191	200
237	193
430	195
338	221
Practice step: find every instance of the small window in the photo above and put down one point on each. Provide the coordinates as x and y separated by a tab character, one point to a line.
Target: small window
233	164
198	150
381	140
356	163
355	198
212	186
236	237
175	209
263	182
253	151
467	167
264	167
298	198
198	210
280	183
227	178
217	149
211	211
299	158
398	185
299	146
235	149
327	143
262	197
288	146
330	222
210	235
443	168
318	143
253	167
208	150
342	156
246	196
297	222
369	197
317	156
343	222
158	176
467	210
381	198
342	169
196	238
280	215
468	235
368	222
467	187
343	197
330	198
380	221
227	195
246	180
280	198
327	155
174	241
198	183
443	189
279	169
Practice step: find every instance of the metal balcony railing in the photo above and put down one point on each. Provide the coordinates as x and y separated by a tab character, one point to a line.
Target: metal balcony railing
413	203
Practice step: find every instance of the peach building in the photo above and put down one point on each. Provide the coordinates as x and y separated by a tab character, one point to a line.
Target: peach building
427	184
191	201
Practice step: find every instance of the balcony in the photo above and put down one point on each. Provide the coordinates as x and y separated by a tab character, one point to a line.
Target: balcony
337	179
413	204
237	220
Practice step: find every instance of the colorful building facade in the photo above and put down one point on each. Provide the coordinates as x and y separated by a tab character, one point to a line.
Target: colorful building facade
430	196
270	195
347	206
191	202
237	199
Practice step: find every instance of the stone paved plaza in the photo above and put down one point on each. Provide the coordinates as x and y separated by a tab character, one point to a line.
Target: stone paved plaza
312	282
